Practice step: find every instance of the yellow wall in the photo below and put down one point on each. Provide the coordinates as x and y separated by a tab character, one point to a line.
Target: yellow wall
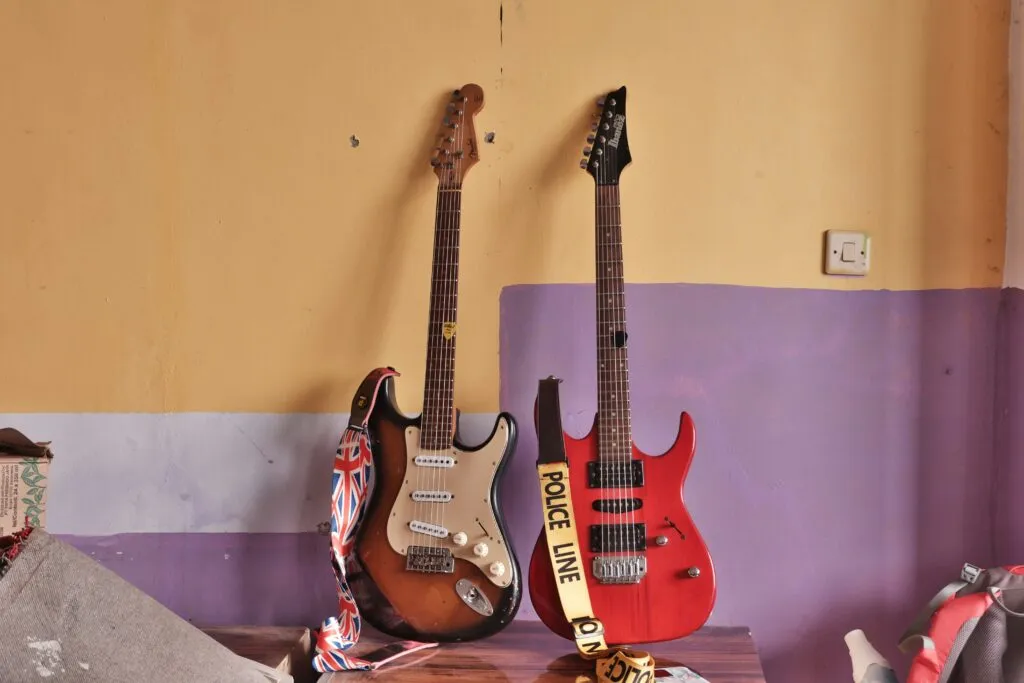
185	225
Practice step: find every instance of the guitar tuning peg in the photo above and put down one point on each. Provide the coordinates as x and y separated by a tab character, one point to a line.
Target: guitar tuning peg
600	102
586	151
593	127
583	163
591	139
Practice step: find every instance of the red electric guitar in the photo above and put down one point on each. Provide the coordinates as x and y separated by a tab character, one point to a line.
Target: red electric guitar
648	571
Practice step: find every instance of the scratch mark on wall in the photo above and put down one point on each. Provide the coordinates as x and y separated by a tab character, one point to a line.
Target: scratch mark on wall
501	24
252	441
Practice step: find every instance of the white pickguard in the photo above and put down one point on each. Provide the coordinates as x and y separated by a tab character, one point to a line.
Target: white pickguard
468	512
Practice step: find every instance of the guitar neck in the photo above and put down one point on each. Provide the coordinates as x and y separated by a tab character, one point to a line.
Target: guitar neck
613	407
437	423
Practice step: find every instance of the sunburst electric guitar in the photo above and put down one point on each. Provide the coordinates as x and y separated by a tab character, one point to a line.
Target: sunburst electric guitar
434	562
648	571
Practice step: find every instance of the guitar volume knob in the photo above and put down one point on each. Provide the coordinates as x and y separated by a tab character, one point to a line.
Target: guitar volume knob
480	550
497	569
460	538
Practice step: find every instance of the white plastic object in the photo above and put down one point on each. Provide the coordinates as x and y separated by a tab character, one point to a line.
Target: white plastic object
847	253
869	666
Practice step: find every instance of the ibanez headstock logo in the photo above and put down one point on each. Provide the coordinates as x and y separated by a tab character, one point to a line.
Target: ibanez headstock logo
618	122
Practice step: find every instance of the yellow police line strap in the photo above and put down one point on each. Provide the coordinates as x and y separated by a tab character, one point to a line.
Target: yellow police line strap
621	665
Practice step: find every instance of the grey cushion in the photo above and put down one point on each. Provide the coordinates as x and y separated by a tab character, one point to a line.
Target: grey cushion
64	617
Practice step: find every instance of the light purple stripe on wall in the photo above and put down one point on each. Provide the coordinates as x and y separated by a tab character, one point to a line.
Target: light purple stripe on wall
844	443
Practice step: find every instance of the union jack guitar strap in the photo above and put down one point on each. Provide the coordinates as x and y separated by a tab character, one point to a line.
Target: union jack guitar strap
352	486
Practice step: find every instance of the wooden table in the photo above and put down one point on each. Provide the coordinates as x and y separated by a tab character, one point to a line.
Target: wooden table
526	651
282	648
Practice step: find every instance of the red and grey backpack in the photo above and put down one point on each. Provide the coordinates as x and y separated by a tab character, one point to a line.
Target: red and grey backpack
972	631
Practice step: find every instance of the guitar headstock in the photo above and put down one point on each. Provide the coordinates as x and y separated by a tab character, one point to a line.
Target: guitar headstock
607	151
457	150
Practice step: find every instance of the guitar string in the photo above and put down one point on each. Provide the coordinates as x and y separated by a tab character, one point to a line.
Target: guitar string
456	223
428	413
604	419
433	394
611	292
624	415
627	418
437	424
442	429
425	414
625	392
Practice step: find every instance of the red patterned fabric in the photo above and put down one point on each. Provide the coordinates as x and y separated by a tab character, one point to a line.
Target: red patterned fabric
351	488
10	547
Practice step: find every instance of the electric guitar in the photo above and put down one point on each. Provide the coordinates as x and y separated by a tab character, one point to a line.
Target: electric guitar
433	557
648	571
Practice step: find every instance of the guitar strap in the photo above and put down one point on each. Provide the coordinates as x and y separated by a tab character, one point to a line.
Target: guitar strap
352	486
564	550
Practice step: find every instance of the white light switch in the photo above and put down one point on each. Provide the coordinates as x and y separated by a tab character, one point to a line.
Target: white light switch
847	253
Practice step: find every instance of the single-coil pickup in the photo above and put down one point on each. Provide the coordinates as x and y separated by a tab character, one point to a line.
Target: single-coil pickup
428	529
434	461
432	496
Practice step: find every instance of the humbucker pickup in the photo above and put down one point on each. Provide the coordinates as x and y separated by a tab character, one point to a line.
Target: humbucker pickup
617	506
430	560
611	475
618	538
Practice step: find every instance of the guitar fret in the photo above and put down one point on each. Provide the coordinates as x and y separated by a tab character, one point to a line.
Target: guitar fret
614	422
436	424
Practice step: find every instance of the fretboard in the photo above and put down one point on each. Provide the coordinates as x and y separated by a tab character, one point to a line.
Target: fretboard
614	424
437	425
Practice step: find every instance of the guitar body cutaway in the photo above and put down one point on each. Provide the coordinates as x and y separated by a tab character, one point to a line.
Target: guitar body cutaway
427	606
669	602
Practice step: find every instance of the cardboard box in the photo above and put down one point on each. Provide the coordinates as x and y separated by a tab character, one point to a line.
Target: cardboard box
24	474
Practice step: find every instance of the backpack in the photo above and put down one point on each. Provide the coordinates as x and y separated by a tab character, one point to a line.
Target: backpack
972	631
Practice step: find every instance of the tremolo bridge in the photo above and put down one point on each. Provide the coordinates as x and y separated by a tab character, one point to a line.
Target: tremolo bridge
430	560
619	568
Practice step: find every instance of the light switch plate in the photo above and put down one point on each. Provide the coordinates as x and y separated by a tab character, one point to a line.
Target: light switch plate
847	253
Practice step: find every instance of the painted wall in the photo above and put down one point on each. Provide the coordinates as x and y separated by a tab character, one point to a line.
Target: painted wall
1015	157
190	239
187	227
1009	517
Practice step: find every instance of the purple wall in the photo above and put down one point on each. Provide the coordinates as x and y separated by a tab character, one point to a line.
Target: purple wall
225	578
843	468
844	443
1008	520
